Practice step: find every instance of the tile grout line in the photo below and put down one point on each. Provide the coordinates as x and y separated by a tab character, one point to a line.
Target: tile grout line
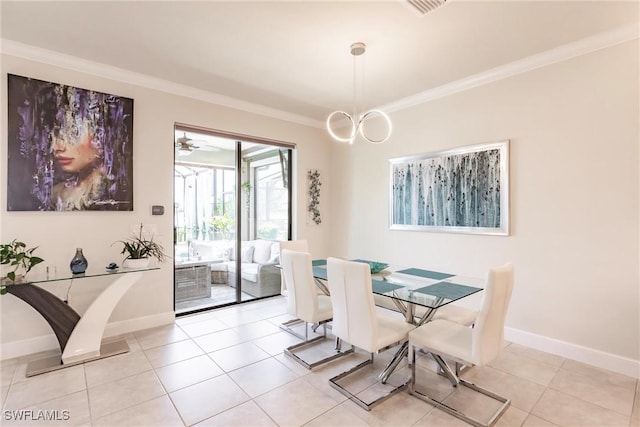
129	376
226	373
175	408
86	389
549	387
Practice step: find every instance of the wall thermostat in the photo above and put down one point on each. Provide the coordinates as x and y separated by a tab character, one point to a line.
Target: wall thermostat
157	210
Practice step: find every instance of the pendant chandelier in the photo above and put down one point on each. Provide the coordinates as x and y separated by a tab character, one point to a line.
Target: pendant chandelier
357	120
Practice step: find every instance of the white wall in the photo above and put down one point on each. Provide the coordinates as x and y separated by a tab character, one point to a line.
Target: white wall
58	233
574	137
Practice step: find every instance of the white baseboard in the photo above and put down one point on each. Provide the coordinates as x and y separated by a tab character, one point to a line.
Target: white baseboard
19	348
590	356
48	342
139	323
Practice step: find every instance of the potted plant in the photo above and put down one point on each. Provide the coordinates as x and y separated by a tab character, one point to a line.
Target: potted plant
246	187
16	255
222	225
139	250
268	230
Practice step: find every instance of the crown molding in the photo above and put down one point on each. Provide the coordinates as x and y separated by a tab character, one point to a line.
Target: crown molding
543	59
552	56
32	53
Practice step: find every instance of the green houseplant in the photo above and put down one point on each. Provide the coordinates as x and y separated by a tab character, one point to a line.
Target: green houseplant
141	248
16	255
222	224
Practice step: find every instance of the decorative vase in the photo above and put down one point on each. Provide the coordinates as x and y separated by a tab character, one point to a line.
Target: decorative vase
135	263
79	263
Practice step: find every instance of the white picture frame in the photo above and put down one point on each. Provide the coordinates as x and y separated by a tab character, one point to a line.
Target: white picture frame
461	190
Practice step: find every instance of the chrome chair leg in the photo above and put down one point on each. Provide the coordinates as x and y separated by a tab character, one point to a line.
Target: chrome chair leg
290	351
288	327
455	381
364	405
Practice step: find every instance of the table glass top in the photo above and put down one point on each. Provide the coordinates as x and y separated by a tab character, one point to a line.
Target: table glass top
49	274
427	288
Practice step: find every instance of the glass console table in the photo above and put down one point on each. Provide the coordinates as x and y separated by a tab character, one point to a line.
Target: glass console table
80	337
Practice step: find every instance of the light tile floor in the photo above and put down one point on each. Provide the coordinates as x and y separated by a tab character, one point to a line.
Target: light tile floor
220	295
226	368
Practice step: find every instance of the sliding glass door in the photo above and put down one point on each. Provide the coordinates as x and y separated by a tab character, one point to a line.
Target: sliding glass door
264	214
232	206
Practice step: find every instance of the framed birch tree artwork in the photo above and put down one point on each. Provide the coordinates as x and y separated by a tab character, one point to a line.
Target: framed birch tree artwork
462	190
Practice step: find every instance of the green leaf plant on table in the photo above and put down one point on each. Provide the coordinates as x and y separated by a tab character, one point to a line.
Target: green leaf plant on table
16	255
141	247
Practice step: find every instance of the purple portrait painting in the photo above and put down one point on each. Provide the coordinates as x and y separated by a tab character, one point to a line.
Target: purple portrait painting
69	148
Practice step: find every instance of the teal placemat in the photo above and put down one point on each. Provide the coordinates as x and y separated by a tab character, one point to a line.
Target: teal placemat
317	262
320	273
426	273
381	287
451	291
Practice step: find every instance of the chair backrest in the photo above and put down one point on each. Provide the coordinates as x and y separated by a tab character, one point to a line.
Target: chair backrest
298	273
354	312
292	245
488	332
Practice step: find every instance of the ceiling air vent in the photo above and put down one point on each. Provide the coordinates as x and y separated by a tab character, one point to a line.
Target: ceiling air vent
425	6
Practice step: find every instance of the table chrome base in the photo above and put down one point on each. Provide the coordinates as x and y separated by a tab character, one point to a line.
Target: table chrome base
53	363
393	363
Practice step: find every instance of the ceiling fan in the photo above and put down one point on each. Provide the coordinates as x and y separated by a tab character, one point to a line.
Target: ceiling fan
185	145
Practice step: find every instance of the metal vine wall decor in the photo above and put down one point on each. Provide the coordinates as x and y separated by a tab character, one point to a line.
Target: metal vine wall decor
313	176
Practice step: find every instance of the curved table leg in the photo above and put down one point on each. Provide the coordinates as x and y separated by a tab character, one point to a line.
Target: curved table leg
57	313
84	342
80	338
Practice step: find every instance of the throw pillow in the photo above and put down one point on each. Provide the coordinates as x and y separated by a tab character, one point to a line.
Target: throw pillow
246	254
274	258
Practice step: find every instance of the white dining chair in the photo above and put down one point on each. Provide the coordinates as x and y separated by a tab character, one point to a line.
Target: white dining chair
298	246
307	305
292	245
357	322
456	313
444	339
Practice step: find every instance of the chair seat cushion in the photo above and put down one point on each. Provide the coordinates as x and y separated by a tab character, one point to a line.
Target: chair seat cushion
456	313
391	330
219	267
446	338
250	272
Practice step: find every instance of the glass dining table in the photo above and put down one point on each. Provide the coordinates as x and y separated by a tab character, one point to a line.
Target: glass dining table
409	288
